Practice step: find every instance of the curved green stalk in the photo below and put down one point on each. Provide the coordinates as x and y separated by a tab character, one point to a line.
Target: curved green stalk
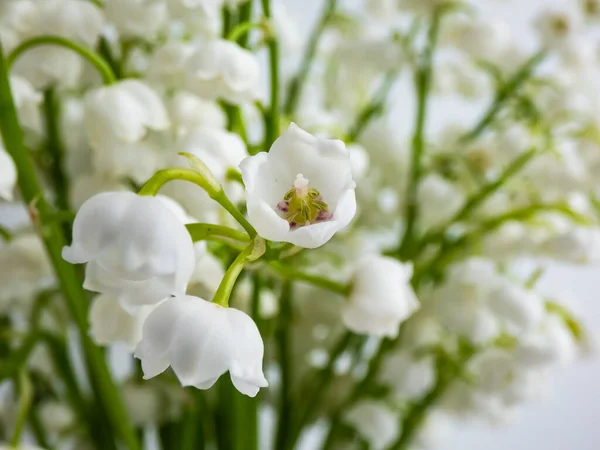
290	273
96	60
204	231
212	188
25	399
107	395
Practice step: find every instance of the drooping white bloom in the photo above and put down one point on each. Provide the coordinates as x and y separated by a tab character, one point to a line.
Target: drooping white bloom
375	422
27	102
136	248
480	38
410	378
167	64
136	18
517	309
551	343
124	112
200	16
201	341
17	20
8	175
439	198
110	323
24	269
578	245
57	417
381	297
300	192
188	111
222	69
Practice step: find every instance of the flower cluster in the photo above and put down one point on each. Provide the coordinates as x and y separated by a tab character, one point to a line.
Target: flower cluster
373	283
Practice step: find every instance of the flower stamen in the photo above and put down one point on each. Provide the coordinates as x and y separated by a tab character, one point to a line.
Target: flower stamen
302	206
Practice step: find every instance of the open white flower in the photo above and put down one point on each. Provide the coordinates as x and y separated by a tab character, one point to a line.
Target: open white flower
381	297
8	175
136	247
375	422
201	341
223	69
302	191
110	323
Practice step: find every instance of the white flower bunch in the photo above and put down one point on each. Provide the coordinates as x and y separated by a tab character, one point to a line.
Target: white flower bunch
346	273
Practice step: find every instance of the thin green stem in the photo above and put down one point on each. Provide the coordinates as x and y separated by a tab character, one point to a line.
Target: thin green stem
423	80
242	29
56	149
290	273
95	59
205	231
212	188
251	253
297	83
507	92
284	353
25	399
5	234
107	395
318	383
272	117
373	108
245	15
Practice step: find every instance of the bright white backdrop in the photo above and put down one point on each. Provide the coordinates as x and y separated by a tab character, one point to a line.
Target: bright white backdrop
569	417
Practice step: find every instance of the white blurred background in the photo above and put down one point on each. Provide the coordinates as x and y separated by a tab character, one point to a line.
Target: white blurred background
568	418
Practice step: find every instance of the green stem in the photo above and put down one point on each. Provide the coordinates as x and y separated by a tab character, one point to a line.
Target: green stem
56	150
251	253
284	353
5	234
318	382
95	59
106	392
290	273
205	231
214	191
245	15
242	29
504	95
25	399
423	85
297	84
272	117
374	108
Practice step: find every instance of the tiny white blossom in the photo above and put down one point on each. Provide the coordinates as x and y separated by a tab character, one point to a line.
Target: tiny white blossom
222	69
201	341
556	25
188	111
18	20
439	198
135	247
200	16
381	297
123	111
110	323
168	62
57	417
375	422
518	309
137	18
410	378
27	102
8	175
302	191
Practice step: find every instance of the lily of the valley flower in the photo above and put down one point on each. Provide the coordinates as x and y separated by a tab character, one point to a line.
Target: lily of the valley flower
8	175
302	191
137	18
135	247
201	341
375	422
381	297
223	69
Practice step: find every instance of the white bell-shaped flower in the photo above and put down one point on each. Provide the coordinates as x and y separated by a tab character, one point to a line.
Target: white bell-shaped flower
110	323
302	191
381	297
123	112
375	422
201	341
167	65
137	18
409	377
200	16
8	175
18	20
79	20
223	69
189	111
518	309
27	102
136	247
